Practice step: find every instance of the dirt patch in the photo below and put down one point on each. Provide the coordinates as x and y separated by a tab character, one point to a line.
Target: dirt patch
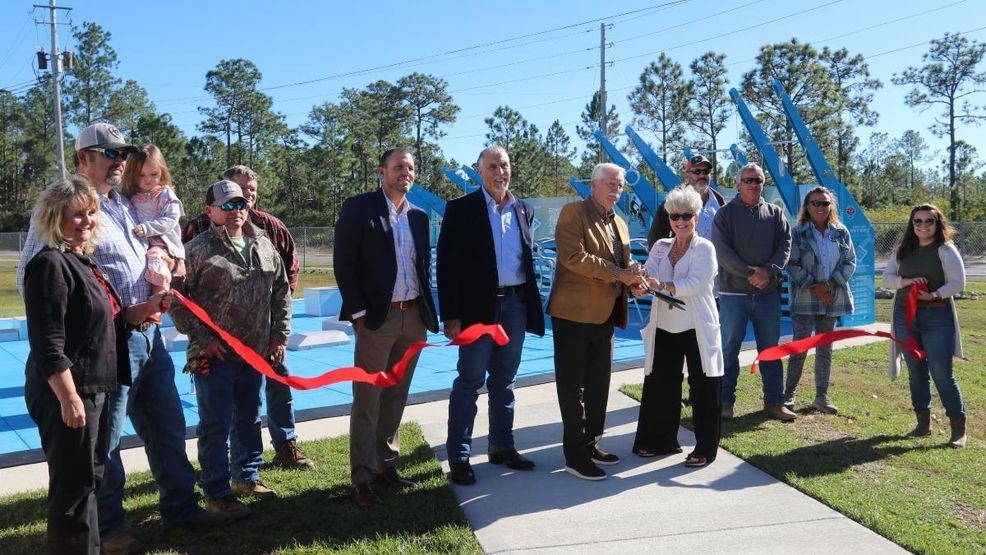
972	517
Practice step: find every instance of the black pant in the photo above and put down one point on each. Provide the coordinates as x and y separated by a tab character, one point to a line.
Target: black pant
583	363
75	467
660	403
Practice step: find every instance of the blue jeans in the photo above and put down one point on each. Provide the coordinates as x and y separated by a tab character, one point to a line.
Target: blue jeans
934	330
764	309
280	410
229	411
155	412
475	361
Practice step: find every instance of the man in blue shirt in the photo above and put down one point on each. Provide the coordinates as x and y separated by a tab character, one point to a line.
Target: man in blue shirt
486	275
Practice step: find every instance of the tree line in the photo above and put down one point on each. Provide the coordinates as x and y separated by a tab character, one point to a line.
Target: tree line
308	170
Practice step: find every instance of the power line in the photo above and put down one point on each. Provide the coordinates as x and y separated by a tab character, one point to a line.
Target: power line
18	39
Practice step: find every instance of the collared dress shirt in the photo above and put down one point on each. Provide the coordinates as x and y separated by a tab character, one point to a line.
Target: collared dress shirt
507	243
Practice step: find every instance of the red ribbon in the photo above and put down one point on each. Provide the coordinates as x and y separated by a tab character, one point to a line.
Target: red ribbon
385	378
804	345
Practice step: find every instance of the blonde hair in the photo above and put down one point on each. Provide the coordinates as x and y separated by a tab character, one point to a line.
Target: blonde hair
57	199
135	163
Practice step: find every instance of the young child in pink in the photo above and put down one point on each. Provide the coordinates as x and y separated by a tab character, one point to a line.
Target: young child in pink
147	183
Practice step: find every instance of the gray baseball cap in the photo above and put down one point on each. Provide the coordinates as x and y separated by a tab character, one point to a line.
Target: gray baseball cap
222	192
102	135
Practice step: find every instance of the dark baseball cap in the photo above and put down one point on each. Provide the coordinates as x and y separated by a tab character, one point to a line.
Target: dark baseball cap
697	160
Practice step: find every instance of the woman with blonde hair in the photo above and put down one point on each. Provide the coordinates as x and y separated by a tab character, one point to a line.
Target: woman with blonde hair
822	263
76	331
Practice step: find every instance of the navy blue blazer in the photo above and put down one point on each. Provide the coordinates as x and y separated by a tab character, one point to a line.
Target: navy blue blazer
467	273
365	261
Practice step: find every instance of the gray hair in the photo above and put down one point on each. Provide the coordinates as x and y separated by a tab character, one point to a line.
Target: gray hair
57	199
600	169
750	167
487	150
683	199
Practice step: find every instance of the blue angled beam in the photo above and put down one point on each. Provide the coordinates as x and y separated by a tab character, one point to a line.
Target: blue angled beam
786	186
645	191
424	198
580	187
665	175
459	181
473	175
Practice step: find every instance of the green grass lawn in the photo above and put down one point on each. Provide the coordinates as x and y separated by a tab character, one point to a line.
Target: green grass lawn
312	513
919	493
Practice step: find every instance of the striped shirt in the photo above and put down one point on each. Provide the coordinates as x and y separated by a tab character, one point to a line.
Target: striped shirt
406	283
120	254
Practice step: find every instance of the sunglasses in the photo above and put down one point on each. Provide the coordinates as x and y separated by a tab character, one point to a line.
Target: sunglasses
697	171
919	222
751	180
819	203
111	153
687	216
231	205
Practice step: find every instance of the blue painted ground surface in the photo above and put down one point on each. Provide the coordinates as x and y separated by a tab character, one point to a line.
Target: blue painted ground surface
435	372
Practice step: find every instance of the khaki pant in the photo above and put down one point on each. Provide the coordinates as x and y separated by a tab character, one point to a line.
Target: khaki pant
374	442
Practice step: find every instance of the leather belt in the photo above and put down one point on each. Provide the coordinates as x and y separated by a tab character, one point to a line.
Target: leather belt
509	290
931	304
403	305
141	327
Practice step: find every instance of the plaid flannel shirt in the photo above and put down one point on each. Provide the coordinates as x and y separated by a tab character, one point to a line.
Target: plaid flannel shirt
804	268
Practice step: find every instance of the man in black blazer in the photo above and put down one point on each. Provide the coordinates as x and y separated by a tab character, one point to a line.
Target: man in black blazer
381	259
486	275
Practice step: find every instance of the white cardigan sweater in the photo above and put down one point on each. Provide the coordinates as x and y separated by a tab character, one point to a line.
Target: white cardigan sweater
699	267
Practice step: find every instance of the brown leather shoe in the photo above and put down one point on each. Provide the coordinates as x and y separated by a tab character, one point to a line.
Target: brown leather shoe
364	497
391	478
121	543
780	412
290	457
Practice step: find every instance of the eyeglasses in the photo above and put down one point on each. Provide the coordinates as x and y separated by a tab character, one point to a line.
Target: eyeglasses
819	203
751	180
231	205
919	222
111	153
687	216
697	171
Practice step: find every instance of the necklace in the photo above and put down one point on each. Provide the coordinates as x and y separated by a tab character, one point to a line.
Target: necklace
678	250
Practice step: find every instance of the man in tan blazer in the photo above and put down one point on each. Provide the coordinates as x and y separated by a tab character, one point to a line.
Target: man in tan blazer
588	298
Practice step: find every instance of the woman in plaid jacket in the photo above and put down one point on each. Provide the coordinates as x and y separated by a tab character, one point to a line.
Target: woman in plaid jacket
822	263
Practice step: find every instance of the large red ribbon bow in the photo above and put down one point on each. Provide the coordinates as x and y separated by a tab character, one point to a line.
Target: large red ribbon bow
804	345
385	378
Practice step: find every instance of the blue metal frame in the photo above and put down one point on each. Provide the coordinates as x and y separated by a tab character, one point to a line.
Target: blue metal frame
853	217
459	181
643	188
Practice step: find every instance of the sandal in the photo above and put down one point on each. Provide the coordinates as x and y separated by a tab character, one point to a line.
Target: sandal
695	461
644	453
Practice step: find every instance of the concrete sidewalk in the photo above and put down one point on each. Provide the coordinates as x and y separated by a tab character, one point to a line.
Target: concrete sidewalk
646	505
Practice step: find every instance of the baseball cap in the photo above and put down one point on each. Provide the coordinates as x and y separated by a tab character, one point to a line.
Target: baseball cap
222	192
697	160
102	135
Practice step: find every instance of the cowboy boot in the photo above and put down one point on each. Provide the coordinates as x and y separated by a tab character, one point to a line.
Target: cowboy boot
958	433
923	427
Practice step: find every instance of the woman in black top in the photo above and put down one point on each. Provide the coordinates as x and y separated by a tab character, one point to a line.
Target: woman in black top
75	327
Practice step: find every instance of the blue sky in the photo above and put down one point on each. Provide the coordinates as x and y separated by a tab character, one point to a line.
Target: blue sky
169	46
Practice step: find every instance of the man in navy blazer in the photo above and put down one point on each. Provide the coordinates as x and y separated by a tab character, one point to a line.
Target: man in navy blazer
486	275
381	260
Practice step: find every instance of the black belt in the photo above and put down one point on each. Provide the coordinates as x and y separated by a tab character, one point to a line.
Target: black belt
509	290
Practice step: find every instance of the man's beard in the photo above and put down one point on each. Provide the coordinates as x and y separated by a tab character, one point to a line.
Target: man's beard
114	180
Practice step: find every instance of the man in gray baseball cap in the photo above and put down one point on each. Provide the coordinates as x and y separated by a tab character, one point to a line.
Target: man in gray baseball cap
102	136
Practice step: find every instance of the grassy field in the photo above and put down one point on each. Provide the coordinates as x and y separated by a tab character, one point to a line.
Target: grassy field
312	513
919	493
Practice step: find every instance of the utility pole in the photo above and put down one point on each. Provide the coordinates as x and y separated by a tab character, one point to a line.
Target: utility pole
602	85
56	60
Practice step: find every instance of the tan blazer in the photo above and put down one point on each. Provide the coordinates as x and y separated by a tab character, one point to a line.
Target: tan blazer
585	287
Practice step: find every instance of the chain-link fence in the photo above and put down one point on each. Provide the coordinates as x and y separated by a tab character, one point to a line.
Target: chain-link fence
314	245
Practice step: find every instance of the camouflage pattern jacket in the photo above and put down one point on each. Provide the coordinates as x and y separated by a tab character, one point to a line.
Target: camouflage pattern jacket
250	299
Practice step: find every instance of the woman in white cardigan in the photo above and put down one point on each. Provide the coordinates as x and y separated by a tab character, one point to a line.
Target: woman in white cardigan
683	266
927	255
